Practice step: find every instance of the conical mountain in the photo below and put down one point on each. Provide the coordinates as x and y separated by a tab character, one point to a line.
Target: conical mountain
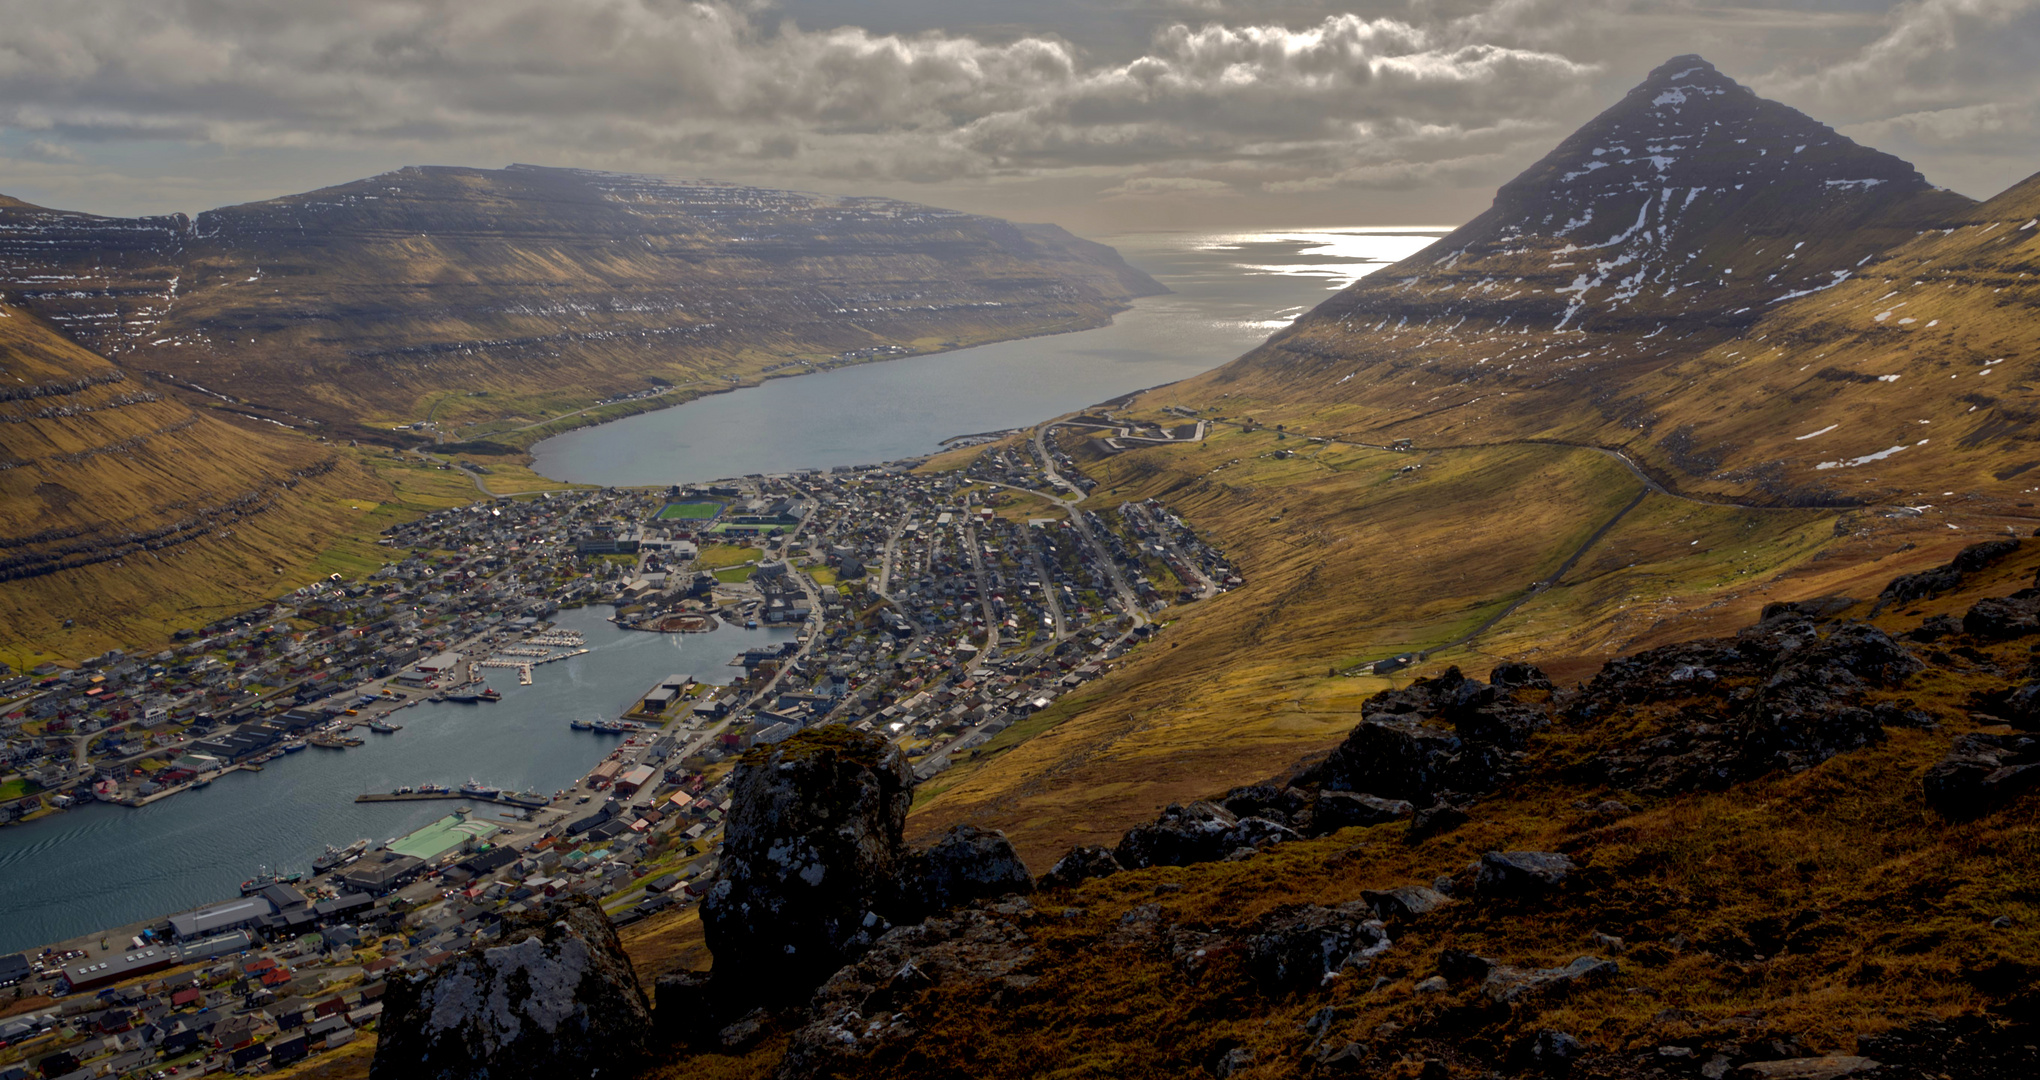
1669	225
1690	196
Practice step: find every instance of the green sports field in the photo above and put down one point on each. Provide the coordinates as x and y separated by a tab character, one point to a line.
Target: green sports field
689	511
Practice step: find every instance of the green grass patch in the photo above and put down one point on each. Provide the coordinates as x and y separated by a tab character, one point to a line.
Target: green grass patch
735	574
689	511
719	556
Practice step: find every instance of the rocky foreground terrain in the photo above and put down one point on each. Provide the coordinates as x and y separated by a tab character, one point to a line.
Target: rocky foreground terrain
1798	851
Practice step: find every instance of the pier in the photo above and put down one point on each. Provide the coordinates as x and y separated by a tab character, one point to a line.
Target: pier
428	796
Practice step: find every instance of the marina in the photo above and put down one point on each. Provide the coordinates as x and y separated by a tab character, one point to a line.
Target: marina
101	865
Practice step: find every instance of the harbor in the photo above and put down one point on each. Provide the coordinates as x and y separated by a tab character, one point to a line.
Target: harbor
100	865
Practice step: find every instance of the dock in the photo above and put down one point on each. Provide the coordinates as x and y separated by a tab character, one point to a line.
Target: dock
427	796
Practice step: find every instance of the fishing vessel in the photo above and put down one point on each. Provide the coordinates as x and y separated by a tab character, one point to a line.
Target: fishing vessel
335	856
478	789
384	727
265	879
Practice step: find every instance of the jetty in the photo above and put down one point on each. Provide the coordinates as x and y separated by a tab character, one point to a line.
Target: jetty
513	799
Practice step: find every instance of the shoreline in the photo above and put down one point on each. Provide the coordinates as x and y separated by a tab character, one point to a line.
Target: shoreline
679	395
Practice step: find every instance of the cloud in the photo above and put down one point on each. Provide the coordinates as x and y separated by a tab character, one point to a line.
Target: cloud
1170	187
711	85
1273	99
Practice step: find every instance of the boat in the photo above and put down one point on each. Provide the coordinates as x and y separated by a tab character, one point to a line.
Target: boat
405	790
384	727
490	694
335	856
294	746
478	789
265	879
203	781
434	789
750	624
581	725
464	698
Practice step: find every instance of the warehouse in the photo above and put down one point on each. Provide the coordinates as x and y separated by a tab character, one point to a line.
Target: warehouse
231	915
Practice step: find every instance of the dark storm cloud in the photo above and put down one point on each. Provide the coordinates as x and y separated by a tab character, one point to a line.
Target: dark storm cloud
1249	99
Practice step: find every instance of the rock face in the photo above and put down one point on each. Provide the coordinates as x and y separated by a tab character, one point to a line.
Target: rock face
556	998
811	853
1081	864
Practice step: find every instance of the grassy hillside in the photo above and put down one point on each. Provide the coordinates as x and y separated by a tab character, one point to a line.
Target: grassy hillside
489	303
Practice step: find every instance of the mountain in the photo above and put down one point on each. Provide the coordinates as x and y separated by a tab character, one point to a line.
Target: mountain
472	295
124	509
1683	222
1628	405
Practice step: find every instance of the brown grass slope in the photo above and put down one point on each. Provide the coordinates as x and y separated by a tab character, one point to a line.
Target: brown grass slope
469	296
122	507
1792	914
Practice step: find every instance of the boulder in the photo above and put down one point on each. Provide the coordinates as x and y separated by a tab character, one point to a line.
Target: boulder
555	997
967	864
1507	984
1404	901
1981	773
1331	811
1521	873
1297	948
1395	757
811	854
2012	616
1081	864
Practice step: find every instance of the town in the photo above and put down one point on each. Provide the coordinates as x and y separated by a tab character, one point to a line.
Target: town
934	607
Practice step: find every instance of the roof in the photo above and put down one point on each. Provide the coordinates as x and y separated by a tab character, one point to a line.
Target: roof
221	916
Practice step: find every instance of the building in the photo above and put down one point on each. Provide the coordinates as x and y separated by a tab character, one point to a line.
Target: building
439	663
95	972
232	915
631	782
13	968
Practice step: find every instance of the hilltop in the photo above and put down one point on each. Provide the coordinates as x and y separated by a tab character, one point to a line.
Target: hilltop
470	296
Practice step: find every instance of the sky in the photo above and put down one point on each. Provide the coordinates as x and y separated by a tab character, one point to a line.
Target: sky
1105	116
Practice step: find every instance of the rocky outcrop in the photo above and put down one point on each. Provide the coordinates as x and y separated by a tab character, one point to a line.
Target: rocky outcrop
1999	618
967	864
814	871
1787	693
1982	773
556	997
1200	832
1310	945
1080	865
1445	735
811	852
862	1010
1948	576
1507	985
